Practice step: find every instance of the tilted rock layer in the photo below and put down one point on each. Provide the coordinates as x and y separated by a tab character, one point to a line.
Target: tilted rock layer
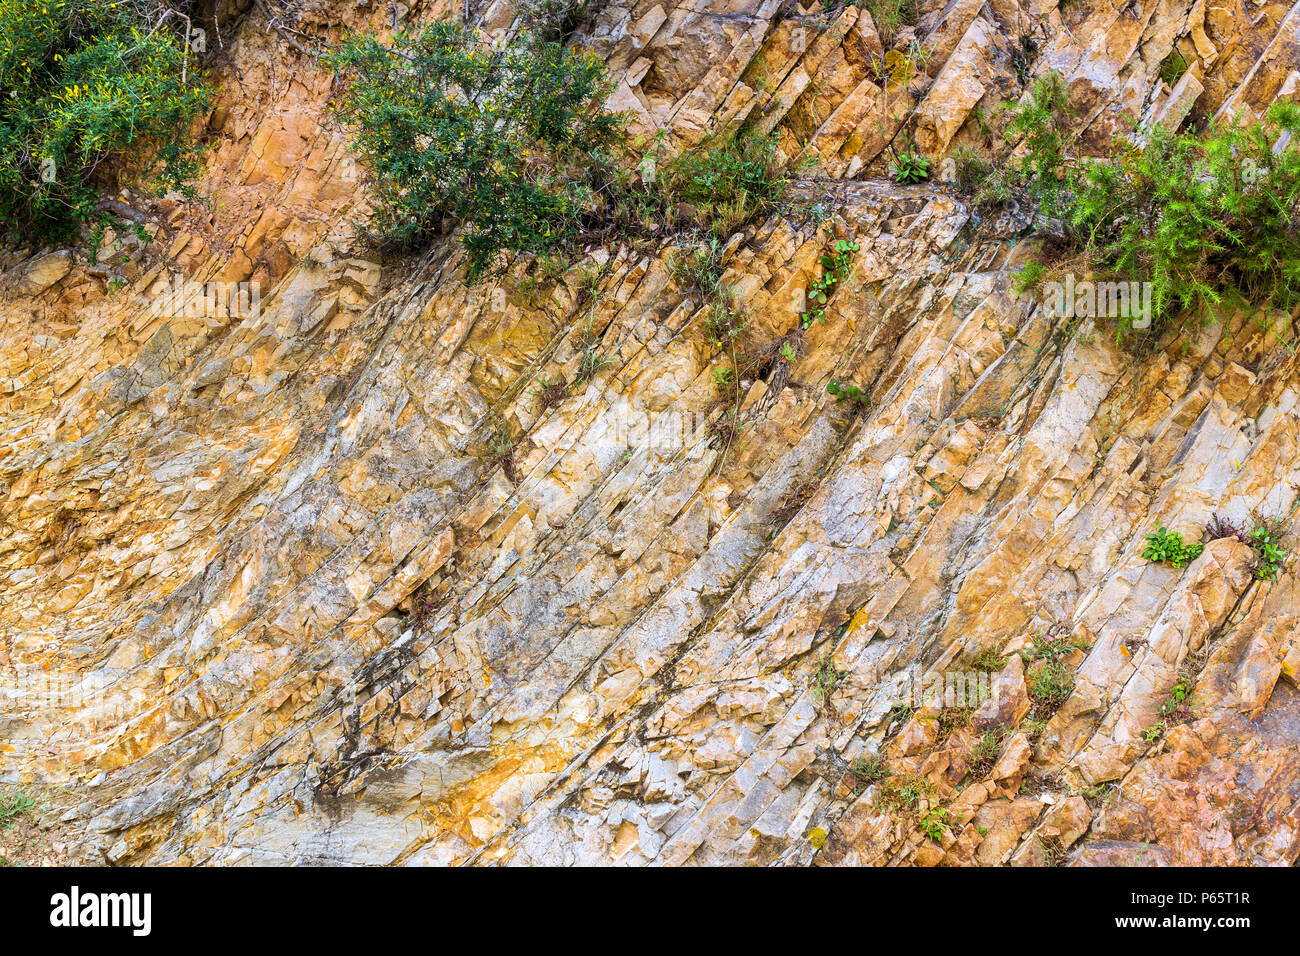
328	580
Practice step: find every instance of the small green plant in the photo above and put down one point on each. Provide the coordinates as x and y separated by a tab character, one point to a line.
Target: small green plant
836	265
546	395
935	823
1178	704
1037	176
988	660
950	718
890	16
970	168
1053	851
424	604
851	392
1173	66
1048	681
1034	727
1167	547
984	753
1029	278
1154	732
14	804
904	795
501	451
869	769
1268	556
909	167
724	320
787	352
1050	685
1023	55
899	712
1262	538
825	678
590	365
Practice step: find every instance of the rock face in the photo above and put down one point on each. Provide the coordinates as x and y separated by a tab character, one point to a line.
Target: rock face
277	589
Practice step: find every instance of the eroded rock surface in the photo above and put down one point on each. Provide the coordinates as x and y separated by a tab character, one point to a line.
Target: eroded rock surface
275	589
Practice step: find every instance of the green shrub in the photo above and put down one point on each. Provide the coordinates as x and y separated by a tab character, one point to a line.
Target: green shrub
1205	219
1043	121
1167	547
93	93
502	140
728	180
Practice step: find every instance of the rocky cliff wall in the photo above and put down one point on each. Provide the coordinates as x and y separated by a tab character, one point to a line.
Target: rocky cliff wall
276	588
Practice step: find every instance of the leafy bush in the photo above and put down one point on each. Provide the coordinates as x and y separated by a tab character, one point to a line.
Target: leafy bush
91	88
502	140
1167	547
